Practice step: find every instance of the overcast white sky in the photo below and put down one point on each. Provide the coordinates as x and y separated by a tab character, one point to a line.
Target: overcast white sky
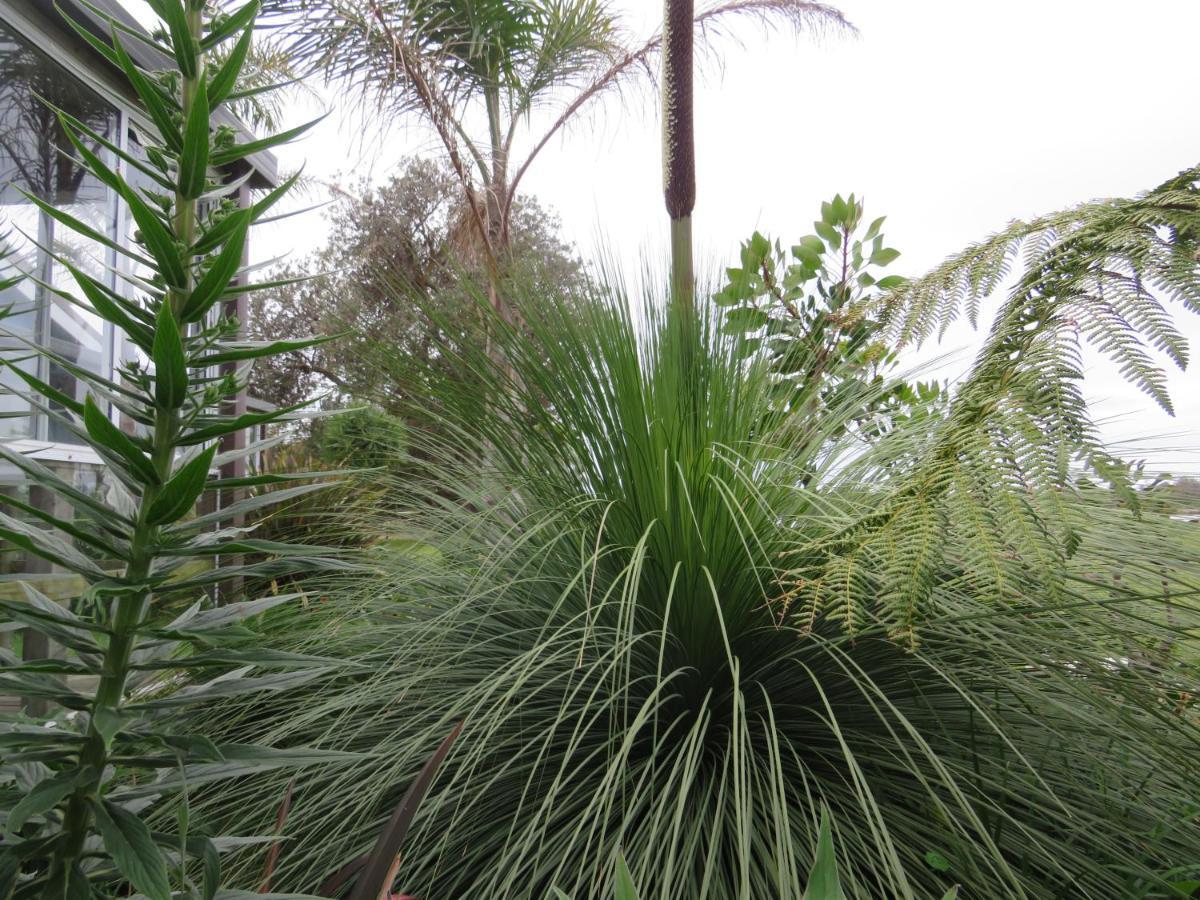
950	117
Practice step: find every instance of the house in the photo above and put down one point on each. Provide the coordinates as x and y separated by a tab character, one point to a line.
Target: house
42	57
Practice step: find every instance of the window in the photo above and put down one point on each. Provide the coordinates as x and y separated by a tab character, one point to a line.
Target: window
36	158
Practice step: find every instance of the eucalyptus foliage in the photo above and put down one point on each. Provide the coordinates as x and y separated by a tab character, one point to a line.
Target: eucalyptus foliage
74	789
614	607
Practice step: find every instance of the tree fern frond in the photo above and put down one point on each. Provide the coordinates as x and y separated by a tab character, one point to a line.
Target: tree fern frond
1109	268
1001	464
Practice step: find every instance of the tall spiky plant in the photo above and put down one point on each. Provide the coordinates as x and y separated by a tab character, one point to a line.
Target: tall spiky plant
605	607
71	828
679	141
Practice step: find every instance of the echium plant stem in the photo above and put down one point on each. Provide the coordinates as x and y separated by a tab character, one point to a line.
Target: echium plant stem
131	608
191	235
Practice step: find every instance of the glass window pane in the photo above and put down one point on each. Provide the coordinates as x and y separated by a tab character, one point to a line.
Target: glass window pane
35	156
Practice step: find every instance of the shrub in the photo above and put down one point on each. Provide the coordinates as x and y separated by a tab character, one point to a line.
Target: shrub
360	438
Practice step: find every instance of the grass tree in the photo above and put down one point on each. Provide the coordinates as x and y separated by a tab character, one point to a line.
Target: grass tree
140	640
678	617
493	62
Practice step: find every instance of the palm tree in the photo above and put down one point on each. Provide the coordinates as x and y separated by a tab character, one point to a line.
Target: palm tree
454	63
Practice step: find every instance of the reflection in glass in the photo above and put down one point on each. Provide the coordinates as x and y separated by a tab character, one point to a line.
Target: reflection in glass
36	157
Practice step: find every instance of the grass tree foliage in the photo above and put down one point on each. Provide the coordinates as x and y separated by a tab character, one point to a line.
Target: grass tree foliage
72	826
677	619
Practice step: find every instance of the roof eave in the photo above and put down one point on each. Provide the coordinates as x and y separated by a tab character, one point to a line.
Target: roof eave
264	164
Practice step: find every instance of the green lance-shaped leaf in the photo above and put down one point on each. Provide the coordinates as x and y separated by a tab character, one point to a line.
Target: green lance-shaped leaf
129	842
101	430
186	49
220	273
83	229
625	888
225	426
170	362
91	162
154	99
249	505
180	493
157	238
98	139
47	546
47	479
241	151
219	233
45	795
47	666
70	883
211	623
238	760
10	872
252	545
193	158
271	568
135	32
230	894
823	880
42	686
255	656
55	621
83	535
46	390
155	233
193	747
211	878
243	350
233	684
103	302
108	722
221	84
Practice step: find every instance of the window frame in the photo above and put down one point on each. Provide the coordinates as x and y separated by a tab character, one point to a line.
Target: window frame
114	342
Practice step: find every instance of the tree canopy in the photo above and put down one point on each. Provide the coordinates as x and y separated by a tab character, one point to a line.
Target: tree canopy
397	277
